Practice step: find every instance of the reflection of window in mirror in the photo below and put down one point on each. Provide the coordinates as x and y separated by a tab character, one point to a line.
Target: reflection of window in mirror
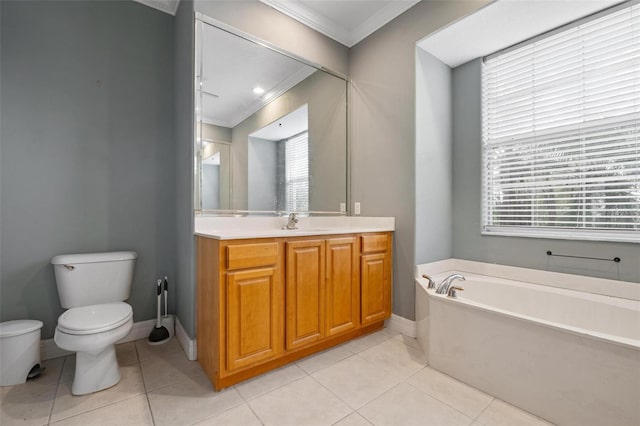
278	160
297	172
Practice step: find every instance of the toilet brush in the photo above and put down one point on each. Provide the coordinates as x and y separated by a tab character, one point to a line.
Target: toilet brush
159	334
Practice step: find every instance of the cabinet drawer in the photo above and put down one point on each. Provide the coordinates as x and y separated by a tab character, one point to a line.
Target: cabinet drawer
373	243
252	255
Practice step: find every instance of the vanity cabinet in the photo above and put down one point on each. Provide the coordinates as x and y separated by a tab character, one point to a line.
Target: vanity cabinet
262	303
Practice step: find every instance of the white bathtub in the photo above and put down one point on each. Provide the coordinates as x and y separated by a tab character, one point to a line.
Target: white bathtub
571	357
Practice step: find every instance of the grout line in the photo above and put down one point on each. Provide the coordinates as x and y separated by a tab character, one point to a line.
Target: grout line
254	413
493	398
440	401
265	375
55	395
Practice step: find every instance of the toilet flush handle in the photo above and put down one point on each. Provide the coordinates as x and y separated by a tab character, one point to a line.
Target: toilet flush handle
70	267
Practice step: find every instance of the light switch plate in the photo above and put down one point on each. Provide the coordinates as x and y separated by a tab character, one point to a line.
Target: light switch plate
356	208
343	207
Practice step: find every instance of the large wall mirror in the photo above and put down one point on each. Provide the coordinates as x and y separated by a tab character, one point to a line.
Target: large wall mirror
271	130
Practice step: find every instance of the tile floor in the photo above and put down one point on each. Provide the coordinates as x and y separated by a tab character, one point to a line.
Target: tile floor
379	379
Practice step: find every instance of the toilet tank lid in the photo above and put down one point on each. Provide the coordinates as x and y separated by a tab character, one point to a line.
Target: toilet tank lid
18	327
113	256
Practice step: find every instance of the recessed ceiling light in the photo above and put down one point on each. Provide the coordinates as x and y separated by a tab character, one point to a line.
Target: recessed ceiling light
258	90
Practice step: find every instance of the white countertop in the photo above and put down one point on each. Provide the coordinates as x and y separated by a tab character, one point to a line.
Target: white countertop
231	228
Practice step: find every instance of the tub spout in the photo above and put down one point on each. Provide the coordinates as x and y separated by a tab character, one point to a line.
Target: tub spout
443	288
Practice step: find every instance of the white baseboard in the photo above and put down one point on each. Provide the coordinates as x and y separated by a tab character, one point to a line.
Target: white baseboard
188	344
140	330
401	325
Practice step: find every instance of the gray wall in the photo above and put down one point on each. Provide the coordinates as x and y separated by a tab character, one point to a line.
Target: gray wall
382	108
211	186
263	174
434	223
468	243
183	140
84	167
325	95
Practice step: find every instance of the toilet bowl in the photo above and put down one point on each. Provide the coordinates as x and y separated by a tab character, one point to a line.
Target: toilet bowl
91	332
93	287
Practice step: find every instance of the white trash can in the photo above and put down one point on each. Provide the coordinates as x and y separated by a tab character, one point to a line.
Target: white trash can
19	350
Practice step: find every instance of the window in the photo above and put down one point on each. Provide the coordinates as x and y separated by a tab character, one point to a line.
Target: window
561	125
296	160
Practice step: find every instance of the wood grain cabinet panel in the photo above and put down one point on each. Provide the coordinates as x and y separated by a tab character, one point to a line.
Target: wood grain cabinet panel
343	285
375	278
252	317
305	292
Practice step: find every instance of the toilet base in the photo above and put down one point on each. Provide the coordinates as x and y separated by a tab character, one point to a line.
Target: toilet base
95	372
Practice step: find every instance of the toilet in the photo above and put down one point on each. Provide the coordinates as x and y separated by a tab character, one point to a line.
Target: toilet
93	288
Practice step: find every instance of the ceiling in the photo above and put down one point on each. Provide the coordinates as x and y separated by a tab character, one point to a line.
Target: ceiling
291	124
346	21
504	23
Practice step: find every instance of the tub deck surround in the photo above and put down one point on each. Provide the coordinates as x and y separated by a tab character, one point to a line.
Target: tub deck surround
537	341
232	228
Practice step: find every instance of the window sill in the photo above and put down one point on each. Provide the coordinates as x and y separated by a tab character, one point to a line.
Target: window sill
565	234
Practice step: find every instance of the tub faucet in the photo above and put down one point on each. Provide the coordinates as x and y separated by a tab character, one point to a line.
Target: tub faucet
443	288
432	283
453	291
292	222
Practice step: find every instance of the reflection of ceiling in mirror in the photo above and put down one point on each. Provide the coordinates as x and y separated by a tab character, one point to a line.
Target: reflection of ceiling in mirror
289	125
232	67
213	160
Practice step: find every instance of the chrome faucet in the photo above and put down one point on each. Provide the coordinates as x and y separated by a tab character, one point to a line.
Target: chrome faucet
292	222
453	291
443	288
432	283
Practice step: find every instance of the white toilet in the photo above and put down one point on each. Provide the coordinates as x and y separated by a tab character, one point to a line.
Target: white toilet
93	288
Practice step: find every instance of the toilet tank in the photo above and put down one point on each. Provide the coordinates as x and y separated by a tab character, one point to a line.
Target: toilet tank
94	278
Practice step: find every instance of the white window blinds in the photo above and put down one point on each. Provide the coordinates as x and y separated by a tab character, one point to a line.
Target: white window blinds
561	125
297	173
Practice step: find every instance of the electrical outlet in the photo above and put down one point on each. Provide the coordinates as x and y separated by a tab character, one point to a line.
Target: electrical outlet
343	207
356	208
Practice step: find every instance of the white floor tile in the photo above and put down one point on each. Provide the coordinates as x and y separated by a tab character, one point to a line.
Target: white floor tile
353	419
269	381
499	413
126	353
67	405
458	395
324	359
356	381
303	402
159	371
27	404
147	351
366	342
130	412
189	402
406	405
237	416
395	357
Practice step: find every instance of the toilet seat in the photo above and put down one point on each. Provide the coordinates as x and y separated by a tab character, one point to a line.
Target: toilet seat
94	318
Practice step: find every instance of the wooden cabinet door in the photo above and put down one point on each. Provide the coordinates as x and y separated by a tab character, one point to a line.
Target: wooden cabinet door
375	279
253	316
305	293
343	289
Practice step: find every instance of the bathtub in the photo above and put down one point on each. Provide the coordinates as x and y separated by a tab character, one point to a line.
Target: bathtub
563	347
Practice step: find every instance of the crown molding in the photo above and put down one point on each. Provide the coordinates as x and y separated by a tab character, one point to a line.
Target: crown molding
166	6
329	28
